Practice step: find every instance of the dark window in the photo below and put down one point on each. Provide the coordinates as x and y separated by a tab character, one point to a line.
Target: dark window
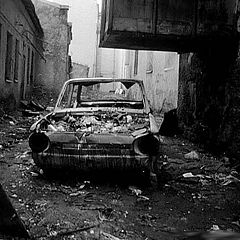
28	66
136	63
9	60
16	63
32	68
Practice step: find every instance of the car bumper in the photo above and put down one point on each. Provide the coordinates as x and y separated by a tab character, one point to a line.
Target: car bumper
90	157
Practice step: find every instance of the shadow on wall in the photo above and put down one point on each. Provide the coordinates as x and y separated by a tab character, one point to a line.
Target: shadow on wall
8	104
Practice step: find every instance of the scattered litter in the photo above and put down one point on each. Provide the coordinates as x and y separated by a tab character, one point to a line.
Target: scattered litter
11	118
183	219
142	198
197	196
21	129
230	179
236	223
219	178
187	175
53	234
109	236
226	160
225	180
204	182
23	155
34	174
76	193
190	175
29	113
70	232
82	186
31	106
13	196
106	214
36	106
87	183
135	190
192	155
214	228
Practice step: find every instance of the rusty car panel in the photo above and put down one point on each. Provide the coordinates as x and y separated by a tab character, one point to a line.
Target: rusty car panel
97	124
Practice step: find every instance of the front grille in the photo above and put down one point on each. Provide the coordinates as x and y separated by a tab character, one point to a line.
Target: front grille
90	156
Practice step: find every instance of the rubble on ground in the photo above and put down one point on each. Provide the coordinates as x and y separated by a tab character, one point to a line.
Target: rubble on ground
31	108
197	195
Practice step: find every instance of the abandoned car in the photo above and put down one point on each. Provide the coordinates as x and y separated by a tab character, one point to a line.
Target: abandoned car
97	123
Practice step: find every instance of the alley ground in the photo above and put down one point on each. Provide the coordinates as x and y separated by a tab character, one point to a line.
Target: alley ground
196	194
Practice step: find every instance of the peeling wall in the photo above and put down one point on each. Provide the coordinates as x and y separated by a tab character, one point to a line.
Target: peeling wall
109	62
57	36
159	72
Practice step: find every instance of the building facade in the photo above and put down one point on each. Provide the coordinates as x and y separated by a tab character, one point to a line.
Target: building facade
20	51
57	37
158	70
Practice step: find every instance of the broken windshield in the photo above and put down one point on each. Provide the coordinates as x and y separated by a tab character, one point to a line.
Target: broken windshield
105	94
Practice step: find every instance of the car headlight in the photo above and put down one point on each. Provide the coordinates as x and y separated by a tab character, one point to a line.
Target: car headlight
146	145
39	142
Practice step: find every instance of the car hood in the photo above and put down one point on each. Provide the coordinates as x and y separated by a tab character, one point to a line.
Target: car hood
77	138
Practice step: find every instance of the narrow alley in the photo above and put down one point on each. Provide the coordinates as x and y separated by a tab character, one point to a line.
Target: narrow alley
119	120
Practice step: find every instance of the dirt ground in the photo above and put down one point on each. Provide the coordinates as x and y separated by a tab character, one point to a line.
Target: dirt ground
196	194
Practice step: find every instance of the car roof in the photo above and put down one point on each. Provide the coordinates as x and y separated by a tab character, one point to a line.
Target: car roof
106	80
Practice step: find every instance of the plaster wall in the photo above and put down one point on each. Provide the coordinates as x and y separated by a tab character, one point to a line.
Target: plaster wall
159	72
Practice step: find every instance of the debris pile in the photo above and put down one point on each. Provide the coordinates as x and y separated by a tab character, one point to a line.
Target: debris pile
219	178
99	123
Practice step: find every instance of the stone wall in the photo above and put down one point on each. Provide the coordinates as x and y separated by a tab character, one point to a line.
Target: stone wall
57	36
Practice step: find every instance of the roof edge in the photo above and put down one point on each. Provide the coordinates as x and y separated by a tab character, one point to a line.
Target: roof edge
32	13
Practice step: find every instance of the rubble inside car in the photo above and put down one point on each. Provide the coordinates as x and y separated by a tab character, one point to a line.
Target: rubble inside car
100	122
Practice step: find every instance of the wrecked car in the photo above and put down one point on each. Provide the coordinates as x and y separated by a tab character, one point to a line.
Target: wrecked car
97	124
